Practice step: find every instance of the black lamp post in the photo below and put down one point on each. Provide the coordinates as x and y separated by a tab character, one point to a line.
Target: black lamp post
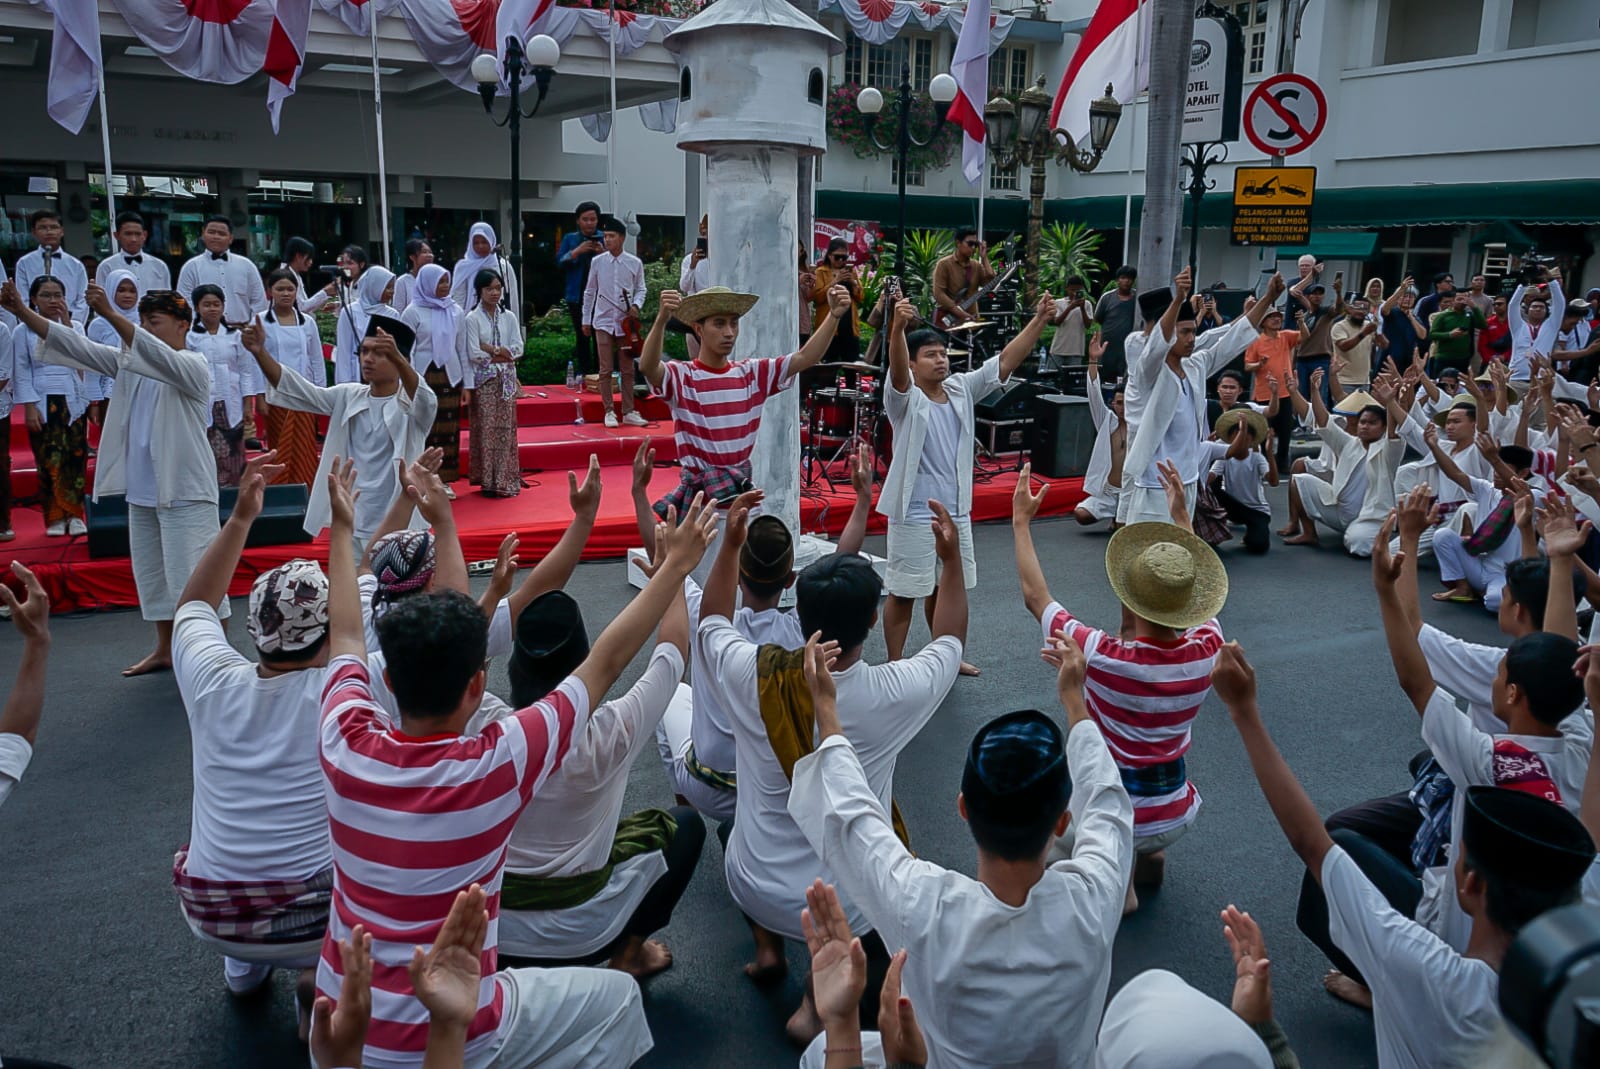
539	60
870	101
1020	134
1197	159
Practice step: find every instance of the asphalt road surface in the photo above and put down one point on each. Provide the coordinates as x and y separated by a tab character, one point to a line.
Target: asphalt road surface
100	971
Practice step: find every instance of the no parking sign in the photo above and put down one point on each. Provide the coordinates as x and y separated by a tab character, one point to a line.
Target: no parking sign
1285	114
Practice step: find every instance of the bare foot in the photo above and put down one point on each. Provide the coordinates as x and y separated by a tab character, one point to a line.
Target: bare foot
640	958
770	965
1455	594
805	1025
1289	530
969	669
1345	989
156	662
1303	540
1130	902
1150	869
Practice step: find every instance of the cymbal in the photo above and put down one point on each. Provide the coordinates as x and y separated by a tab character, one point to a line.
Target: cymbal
958	352
845	365
971	324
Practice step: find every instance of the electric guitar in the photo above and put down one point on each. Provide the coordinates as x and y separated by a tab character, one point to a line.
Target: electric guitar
944	320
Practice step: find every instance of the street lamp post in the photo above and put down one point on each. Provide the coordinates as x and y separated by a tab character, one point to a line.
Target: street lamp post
539	60
870	101
1019	134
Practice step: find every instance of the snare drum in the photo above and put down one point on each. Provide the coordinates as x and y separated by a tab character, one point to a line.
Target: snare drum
833	412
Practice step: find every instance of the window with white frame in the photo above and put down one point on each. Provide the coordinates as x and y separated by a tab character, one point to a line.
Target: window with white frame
1004	179
916	174
1009	68
1252	16
879	65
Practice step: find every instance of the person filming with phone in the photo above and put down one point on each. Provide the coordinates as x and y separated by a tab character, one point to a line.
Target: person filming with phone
836	270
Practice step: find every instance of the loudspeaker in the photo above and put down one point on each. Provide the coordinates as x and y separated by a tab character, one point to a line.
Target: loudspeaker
282	519
1063	436
1012	400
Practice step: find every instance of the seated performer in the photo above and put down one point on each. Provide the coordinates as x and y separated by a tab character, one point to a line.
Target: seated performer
1102	481
714	449
1027	940
255	877
933	413
768	862
584	884
381	419
452	795
1171	585
958	277
153	446
1474	566
1362	491
1243	459
1433	1005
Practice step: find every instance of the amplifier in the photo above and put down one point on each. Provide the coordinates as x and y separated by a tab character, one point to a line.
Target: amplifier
282	519
1064	436
1005	435
1012	400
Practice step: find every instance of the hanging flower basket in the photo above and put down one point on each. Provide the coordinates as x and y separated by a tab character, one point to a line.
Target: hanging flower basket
847	126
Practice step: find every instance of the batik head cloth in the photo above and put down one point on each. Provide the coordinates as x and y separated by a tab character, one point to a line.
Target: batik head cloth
403	562
289	607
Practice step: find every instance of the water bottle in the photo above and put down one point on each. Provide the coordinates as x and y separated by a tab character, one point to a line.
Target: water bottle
572	376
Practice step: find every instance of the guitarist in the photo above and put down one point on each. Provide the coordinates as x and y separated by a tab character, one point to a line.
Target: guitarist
611	302
957	278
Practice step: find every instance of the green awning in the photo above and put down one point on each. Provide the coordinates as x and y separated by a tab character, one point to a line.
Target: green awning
1572	203
1334	245
1512	236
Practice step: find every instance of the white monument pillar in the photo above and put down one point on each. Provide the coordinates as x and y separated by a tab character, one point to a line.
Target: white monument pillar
752	100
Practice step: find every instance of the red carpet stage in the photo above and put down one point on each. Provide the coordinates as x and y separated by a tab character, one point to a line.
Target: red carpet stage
551	445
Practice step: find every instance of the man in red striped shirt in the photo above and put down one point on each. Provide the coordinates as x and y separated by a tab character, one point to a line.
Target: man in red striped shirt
418	812
1145	686
716	401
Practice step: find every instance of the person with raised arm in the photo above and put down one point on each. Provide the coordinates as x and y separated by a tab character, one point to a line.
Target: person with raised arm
153	446
460	793
1520	855
933	412
384	418
1361	493
19	720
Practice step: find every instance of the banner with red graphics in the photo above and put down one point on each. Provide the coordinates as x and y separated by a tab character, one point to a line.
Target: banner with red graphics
208	40
881	21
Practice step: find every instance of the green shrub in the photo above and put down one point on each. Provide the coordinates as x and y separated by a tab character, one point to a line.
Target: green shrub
549	347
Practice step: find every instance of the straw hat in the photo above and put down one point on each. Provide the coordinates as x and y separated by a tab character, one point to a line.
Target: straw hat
1466	400
713	300
1513	387
1354	402
1256	421
1166	575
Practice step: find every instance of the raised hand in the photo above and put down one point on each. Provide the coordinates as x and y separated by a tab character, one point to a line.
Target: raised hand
342	494
99	301
31	615
687	542
1386	568
1416	512
838	964
839	301
1097	347
1177	494
253	336
1275	287
338	1036
644	465
585	499
946	539
446	976
258	471
505	569
1046	308
669	302
897	1020
1066	657
1183	283
737	527
10	299
819	659
1232	677
1563	536
1488	447
861	471
386	348
905	314
1316	379
1252	982
1024	502
427	491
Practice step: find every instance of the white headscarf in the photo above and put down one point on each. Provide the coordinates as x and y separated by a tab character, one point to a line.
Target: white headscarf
468	266
114	281
1159	1022
369	300
444	319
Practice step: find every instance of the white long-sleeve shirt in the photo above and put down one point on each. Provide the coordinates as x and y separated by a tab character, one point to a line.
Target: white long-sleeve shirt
994	984
295	345
153	445
63	265
615	283
1528	338
448	353
34	381
151	271
233	370
244	295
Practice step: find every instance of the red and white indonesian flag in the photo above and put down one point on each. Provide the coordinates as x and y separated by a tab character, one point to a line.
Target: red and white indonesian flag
521	19
970	67
74	62
286	52
1114	50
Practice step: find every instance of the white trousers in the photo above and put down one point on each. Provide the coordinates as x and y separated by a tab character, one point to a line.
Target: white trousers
165	544
914	562
1141	504
673	735
1482	574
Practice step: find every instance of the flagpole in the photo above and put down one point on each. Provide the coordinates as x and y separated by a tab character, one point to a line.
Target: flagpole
105	149
983	187
611	138
1127	197
383	170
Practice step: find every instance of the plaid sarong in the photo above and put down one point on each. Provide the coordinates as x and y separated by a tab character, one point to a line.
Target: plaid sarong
721	485
722	781
263	911
1493	530
1151	781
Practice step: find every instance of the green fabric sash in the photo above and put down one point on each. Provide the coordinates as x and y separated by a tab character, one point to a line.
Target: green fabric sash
638	833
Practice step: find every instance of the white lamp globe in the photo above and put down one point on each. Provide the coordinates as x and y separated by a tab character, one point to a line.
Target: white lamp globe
869	101
543	51
942	89
486	69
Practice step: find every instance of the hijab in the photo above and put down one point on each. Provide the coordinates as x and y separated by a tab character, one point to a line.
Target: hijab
1159	1022
468	266
369	299
114	282
444	314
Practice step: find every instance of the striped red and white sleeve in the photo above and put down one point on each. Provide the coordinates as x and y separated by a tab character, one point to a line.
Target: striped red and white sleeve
1056	618
549	726
772	374
348	690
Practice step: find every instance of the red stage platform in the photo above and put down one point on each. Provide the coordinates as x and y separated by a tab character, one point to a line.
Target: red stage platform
551	444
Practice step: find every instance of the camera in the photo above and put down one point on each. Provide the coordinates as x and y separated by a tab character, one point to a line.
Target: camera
1550	987
700	246
1531	268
